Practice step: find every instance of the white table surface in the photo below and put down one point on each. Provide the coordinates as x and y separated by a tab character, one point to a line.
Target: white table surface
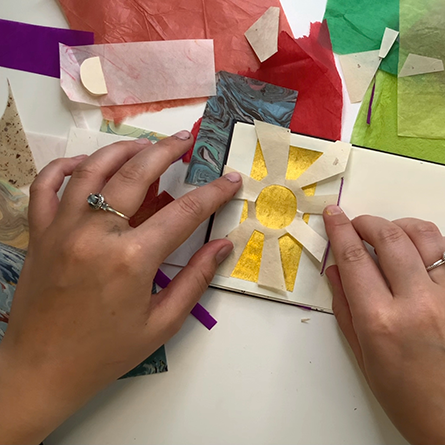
260	376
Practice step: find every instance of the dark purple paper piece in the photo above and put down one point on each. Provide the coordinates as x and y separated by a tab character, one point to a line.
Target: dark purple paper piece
199	312
368	119
34	48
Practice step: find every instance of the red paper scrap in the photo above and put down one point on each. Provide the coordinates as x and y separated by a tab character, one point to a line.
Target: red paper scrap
152	204
308	66
195	130
224	21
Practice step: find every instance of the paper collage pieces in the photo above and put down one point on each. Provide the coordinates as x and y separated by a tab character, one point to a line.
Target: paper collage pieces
16	161
278	204
140	72
359	69
237	98
263	34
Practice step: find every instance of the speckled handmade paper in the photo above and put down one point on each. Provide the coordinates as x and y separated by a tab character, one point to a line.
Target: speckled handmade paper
14	229
16	162
237	98
11	263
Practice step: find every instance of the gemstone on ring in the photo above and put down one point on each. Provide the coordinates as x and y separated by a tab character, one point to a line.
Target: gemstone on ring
96	201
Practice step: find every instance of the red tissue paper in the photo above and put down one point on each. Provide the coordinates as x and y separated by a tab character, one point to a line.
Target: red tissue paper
308	66
224	21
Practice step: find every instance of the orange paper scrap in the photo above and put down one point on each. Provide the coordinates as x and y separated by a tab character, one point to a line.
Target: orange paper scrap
142	72
224	21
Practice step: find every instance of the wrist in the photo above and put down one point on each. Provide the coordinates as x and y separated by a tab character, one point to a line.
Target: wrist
28	396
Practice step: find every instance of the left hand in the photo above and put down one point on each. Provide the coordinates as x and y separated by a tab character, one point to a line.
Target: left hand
83	314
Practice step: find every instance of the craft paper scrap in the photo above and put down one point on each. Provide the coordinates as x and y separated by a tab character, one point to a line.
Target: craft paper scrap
381	133
263	34
11	263
16	162
237	98
359	25
389	38
14	229
421	98
198	311
415	64
274	205
35	48
307	65
92	76
140	72
358	70
224	21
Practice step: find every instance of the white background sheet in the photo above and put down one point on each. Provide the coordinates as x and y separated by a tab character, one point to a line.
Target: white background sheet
260	376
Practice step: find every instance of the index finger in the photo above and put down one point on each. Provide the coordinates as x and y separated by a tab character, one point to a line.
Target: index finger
167	229
364	285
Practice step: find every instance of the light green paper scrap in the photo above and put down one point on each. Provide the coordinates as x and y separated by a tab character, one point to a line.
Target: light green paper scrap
421	98
358	25
381	134
128	130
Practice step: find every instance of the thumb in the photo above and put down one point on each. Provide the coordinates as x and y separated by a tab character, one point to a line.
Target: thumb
174	303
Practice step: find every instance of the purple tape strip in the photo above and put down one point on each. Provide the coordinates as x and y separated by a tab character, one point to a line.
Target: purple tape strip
199	312
35	48
342	181
368	120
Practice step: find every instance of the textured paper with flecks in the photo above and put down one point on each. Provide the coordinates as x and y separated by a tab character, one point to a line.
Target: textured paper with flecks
140	72
16	162
263	34
358	70
415	65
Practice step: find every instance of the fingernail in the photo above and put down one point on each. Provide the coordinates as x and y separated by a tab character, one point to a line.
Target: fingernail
143	141
79	157
224	253
233	177
183	135
333	210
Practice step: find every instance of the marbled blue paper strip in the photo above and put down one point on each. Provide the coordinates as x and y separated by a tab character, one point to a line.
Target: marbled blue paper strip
11	263
238	98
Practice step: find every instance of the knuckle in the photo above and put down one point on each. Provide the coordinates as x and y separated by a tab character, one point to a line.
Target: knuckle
353	253
427	230
132	173
391	234
190	207
86	171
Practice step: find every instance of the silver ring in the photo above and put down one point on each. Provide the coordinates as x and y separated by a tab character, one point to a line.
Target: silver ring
97	202
437	263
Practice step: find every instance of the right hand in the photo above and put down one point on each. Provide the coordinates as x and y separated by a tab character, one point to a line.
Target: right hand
393	316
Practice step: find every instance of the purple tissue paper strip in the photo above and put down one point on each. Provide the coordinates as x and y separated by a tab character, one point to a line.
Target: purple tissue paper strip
199	312
35	49
368	120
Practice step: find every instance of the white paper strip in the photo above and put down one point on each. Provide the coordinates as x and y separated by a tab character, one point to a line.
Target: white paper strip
271	270
389	38
415	64
333	162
